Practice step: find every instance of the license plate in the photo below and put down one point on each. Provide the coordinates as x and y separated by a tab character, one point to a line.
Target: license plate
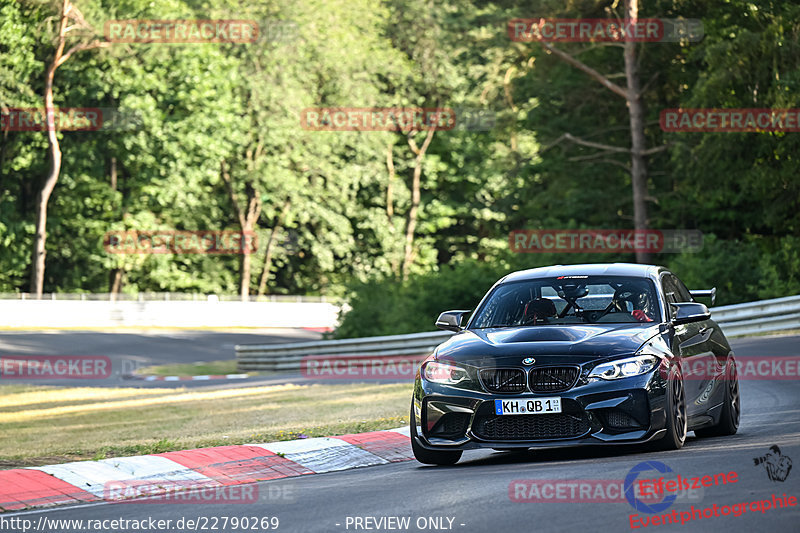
533	406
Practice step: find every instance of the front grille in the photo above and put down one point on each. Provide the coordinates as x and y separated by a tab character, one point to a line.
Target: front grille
451	426
503	379
529	427
553	378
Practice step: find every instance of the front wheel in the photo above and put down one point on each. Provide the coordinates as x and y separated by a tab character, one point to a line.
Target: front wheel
731	409
676	413
430	457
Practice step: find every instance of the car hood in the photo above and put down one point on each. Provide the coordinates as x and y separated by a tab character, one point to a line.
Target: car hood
574	343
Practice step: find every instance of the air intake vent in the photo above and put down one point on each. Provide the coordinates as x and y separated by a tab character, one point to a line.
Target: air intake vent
530	427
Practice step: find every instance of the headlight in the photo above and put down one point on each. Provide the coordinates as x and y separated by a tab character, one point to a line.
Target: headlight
443	373
624	368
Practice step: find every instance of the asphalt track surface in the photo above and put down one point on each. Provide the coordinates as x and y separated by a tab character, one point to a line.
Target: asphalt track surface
475	492
129	351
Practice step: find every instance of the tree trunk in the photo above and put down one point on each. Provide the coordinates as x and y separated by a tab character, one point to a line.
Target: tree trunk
113	174
510	101
245	285
3	146
276	228
247	220
411	225
68	11
633	99
43	197
636	115
390	183
115	275
262	283
394	258
115	280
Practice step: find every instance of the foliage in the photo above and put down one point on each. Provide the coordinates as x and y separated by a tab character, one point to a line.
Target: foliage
326	194
392	306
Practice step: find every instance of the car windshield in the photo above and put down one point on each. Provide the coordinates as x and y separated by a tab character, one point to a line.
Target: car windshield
569	300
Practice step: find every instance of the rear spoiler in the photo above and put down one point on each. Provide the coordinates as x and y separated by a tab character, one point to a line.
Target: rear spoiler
705	293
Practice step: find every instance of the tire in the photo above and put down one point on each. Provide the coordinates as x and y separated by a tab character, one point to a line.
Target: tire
430	457
731	408
676	413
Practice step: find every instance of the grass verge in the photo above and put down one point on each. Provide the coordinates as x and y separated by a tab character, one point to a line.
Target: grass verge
46	425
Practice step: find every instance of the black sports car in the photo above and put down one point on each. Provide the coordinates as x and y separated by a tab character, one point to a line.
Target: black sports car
574	355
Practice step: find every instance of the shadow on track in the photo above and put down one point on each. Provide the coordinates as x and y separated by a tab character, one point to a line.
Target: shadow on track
575	454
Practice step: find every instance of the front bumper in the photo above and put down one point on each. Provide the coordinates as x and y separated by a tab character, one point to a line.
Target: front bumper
625	411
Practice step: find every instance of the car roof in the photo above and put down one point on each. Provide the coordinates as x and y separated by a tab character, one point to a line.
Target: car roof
590	269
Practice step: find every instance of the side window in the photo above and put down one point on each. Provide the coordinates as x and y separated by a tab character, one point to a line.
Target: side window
671	293
683	292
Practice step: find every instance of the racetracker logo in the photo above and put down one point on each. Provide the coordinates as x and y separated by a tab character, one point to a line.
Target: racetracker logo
181	491
385	367
377	118
181	31
605	241
747	368
55	367
52	119
571	490
654	30
277	31
760	120
180	242
69	119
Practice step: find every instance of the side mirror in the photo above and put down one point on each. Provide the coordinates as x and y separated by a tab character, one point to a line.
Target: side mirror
689	312
451	320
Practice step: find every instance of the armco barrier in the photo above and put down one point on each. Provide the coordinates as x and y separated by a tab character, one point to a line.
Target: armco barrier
38	314
759	317
736	320
287	357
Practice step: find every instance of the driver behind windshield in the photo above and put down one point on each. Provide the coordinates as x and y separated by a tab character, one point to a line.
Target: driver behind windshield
586	300
634	300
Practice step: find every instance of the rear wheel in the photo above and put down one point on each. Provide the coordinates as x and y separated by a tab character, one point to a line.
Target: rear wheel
430	457
676	413
731	408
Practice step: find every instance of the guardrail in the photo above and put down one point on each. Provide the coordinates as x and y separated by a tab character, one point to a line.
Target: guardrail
736	320
287	357
39	314
759	317
165	297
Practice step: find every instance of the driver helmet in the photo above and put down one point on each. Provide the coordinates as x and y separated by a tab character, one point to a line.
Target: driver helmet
639	297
